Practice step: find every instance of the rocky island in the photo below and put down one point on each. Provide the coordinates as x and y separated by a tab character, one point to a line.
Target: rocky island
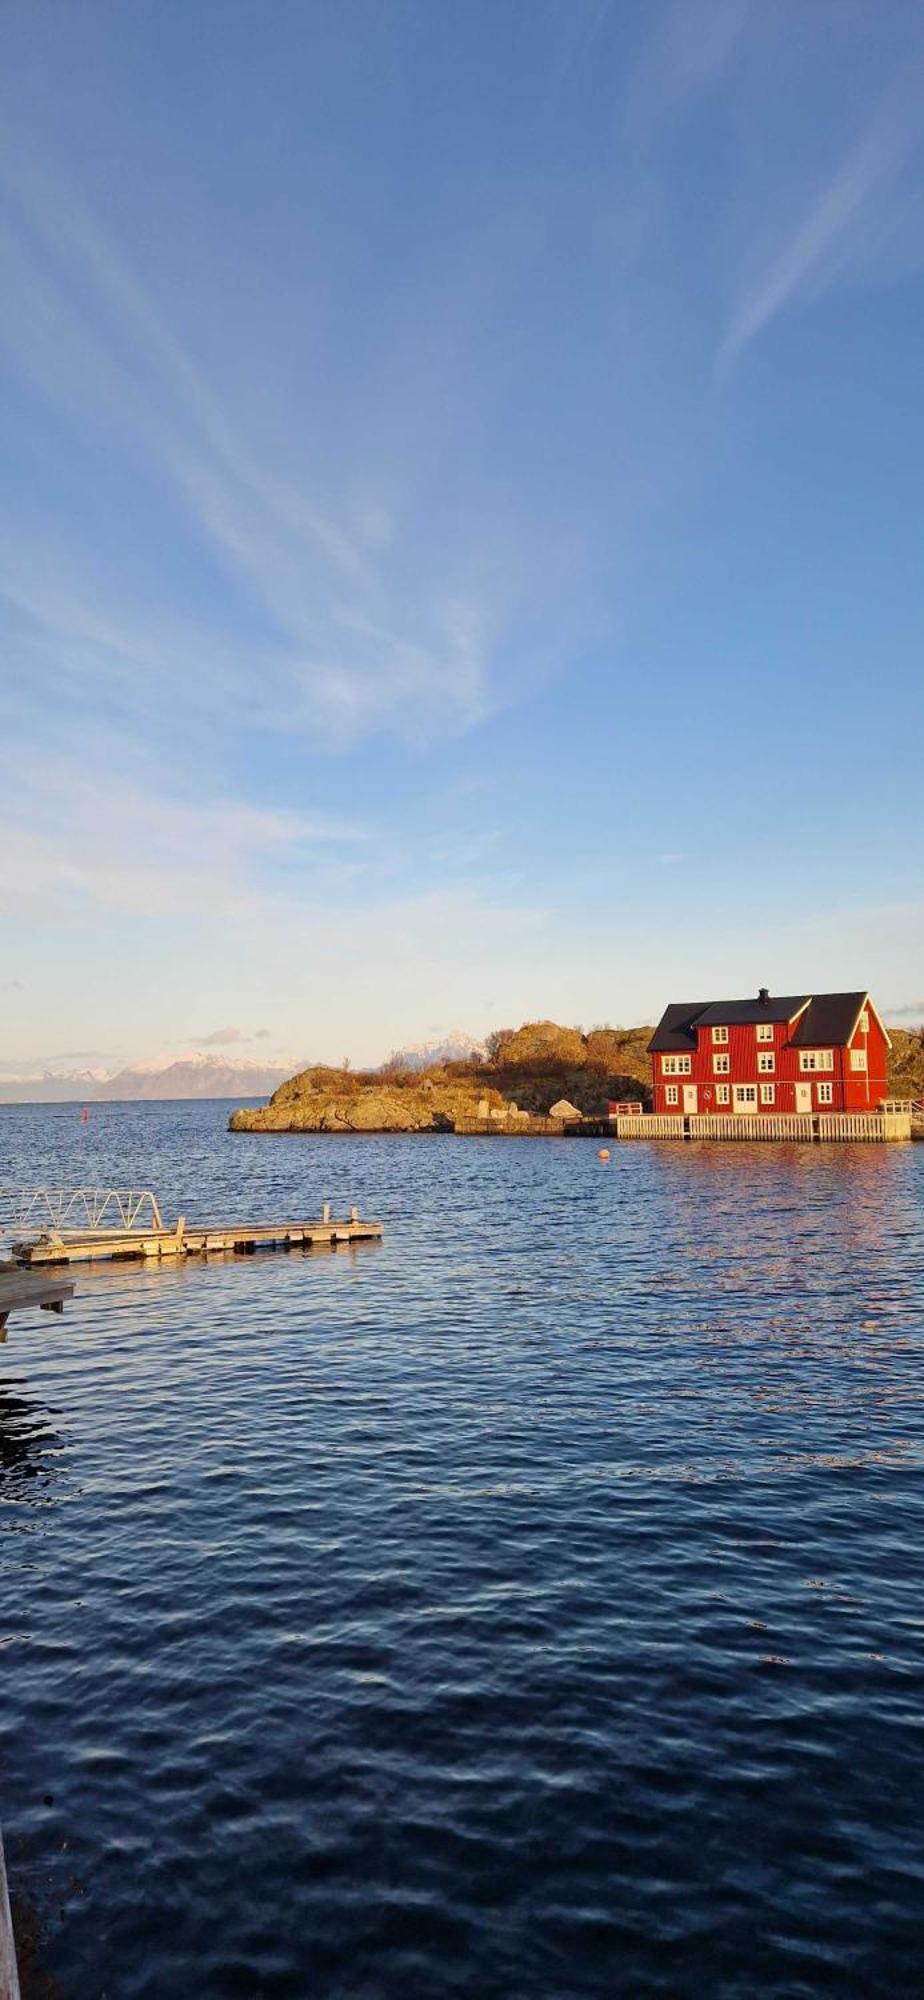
524	1073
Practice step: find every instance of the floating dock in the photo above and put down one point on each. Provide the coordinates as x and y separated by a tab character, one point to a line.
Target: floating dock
86	1226
19	1289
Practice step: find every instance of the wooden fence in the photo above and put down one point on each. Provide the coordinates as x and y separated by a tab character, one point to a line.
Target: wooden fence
831	1126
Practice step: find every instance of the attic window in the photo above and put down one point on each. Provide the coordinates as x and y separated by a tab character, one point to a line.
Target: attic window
863	1023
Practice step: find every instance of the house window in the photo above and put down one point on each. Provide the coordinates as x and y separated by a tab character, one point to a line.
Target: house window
765	1031
858	1059
722	1093
719	1035
671	1094
766	1063
676	1065
863	1023
768	1093
721	1065
824	1093
814	1059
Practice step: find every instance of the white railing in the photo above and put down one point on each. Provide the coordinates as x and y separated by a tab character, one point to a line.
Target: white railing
751	1125
654	1125
78	1208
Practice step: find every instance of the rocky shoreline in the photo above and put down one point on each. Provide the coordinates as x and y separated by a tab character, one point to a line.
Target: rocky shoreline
527	1076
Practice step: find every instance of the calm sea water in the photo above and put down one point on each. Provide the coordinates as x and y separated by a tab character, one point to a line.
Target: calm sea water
532	1606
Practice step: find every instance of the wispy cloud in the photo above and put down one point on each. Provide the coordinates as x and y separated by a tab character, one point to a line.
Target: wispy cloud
342	650
221	1038
843	228
104	831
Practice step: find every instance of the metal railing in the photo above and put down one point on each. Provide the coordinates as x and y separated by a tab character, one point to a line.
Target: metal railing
78	1208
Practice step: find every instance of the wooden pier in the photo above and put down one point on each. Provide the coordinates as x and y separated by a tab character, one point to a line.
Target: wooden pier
827	1127
91	1245
19	1289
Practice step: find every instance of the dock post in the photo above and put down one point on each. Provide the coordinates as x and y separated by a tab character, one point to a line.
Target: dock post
325	1212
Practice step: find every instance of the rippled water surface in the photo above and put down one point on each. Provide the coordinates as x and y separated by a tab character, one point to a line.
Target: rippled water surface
531	1606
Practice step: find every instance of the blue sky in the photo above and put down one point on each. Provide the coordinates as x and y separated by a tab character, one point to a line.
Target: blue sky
460	515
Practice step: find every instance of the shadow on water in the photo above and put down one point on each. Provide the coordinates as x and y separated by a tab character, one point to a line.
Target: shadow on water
29	1445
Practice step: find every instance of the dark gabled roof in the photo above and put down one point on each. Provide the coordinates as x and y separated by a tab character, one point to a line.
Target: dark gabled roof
825	1021
829	1021
675	1028
742	1013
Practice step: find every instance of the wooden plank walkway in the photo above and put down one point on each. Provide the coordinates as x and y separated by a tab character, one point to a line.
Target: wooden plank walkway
19	1289
93	1245
9	1978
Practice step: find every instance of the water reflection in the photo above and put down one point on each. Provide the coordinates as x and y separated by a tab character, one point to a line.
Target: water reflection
29	1444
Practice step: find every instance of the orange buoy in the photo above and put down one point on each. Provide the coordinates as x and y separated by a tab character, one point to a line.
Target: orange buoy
604	1153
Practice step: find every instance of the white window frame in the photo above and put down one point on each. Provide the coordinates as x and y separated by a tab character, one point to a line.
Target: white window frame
721	1065
676	1065
723	1093
813	1060
746	1093
858	1061
863	1023
720	1036
768	1093
764	1031
766	1062
672	1093
824	1093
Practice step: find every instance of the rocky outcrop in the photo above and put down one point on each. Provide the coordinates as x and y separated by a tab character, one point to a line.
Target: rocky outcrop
336	1101
527	1071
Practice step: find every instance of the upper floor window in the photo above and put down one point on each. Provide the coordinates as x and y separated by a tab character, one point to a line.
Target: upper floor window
721	1065
676	1065
858	1059
863	1023
812	1059
765	1031
719	1035
766	1063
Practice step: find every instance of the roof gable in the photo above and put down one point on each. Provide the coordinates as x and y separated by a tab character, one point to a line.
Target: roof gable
822	1020
829	1021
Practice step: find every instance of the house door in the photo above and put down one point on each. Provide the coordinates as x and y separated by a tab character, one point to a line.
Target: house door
744	1097
803	1097
689	1097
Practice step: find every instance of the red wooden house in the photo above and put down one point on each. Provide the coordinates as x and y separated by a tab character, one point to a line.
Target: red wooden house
806	1052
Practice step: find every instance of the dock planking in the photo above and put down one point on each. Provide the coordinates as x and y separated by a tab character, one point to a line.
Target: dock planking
21	1289
56	1247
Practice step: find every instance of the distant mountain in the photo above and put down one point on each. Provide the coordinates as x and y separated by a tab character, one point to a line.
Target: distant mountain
185	1077
52	1087
193	1076
454	1047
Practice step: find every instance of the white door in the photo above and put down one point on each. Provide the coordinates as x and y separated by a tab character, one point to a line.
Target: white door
689	1097
744	1097
803	1097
